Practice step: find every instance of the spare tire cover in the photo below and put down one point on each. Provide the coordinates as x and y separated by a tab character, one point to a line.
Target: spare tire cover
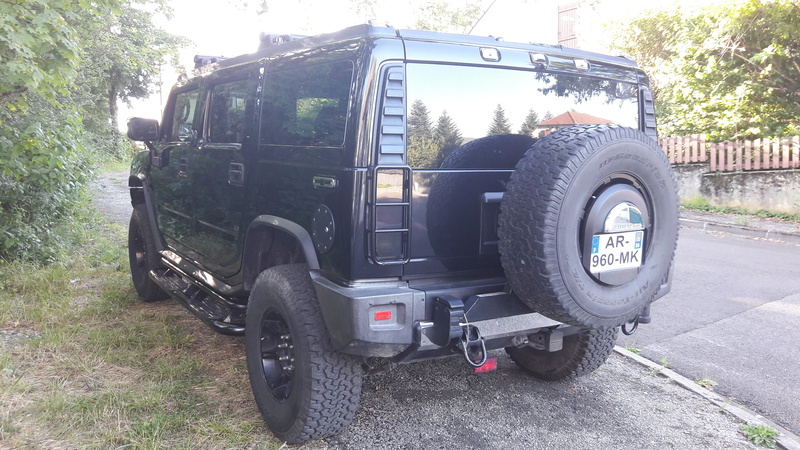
565	192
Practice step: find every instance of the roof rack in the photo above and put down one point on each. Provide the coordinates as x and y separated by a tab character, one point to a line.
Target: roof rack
268	39
204	60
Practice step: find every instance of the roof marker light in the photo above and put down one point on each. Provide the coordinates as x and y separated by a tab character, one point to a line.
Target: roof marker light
490	54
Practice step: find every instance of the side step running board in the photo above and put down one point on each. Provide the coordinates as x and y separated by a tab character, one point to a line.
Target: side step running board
221	314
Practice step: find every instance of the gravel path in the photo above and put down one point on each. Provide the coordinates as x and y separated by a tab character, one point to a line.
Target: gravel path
111	196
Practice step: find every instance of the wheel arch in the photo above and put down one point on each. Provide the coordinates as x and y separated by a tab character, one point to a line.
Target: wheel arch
272	241
140	195
136	184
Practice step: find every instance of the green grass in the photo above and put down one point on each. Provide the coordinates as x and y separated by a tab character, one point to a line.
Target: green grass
699	203
95	367
706	383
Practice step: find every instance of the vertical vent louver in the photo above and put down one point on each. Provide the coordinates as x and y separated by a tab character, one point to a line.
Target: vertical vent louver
647	113
390	203
393	128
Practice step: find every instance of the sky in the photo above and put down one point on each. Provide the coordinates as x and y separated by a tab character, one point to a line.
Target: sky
221	28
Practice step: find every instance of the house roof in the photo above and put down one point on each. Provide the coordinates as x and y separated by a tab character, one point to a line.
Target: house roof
572	118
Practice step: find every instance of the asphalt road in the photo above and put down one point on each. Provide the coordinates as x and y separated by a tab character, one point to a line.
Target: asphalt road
733	317
441	404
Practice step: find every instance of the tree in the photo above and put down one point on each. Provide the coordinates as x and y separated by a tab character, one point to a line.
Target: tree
419	121
448	15
422	148
530	123
121	58
500	124
729	71
447	135
48	82
42	165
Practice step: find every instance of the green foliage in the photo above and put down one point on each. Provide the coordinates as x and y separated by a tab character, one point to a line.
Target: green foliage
121	57
65	64
701	204
94	368
706	383
760	435
448	15
729	70
38	49
42	172
500	123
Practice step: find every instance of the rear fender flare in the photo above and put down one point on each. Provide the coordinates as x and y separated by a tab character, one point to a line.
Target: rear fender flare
262	233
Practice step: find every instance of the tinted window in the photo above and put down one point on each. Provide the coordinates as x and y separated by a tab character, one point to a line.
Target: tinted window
450	106
231	104
307	106
183	116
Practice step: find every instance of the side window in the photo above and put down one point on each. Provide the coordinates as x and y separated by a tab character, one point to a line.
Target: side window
183	116
307	106
231	104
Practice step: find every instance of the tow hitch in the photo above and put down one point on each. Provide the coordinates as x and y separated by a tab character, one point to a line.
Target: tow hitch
473	345
451	325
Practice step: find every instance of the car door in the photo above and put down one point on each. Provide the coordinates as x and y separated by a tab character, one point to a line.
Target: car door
169	173
218	170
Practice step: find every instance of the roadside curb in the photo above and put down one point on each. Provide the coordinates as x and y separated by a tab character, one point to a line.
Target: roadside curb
741	230
785	440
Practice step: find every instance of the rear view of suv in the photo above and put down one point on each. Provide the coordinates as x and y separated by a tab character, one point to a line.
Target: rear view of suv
362	198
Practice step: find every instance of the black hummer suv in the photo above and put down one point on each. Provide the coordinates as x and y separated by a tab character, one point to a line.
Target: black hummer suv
357	199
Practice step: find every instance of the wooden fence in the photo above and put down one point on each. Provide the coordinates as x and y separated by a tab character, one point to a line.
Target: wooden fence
760	154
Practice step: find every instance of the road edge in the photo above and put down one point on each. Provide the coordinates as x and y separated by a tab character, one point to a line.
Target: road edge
785	440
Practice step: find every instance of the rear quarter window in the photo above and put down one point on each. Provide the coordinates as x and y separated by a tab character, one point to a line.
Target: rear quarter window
307	106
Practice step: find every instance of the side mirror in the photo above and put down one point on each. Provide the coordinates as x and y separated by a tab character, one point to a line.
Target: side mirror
141	129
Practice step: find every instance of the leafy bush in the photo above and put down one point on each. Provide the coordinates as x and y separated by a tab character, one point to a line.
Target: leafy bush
43	171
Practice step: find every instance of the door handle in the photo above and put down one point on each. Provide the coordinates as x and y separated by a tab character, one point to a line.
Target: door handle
183	167
325	182
236	174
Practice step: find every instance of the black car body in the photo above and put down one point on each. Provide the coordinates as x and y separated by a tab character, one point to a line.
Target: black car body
345	153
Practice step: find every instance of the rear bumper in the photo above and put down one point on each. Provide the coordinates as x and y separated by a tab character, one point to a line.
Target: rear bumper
392	320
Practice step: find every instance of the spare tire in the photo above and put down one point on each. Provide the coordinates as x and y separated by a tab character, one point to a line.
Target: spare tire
453	210
589	225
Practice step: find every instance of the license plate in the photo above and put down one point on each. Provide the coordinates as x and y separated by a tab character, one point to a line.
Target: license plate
616	251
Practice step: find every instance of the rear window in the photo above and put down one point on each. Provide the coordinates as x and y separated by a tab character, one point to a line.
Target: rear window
450	106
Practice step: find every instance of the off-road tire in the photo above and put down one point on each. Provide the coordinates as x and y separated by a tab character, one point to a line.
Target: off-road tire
581	355
542	224
315	391
453	209
142	256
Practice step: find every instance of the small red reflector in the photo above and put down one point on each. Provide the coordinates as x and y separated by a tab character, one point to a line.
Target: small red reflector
383	315
488	366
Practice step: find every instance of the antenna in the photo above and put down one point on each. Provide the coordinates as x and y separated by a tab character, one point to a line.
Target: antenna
481	17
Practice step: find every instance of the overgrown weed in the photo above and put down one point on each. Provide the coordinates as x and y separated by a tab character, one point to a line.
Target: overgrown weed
95	367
